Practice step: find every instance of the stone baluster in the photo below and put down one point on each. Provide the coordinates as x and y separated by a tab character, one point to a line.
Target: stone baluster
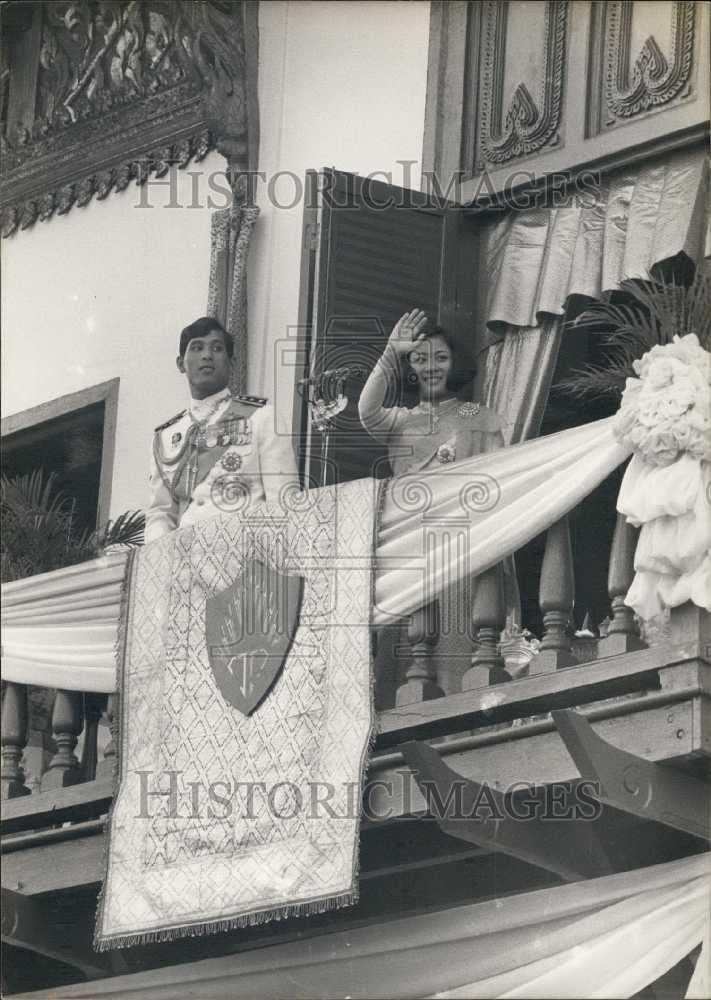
93	709
422	633
488	618
40	745
13	740
622	633
67	723
557	593
105	768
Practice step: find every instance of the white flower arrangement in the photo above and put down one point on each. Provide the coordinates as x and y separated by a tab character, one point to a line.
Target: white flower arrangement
666	411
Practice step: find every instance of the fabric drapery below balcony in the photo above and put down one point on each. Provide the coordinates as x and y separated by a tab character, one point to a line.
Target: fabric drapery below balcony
619	933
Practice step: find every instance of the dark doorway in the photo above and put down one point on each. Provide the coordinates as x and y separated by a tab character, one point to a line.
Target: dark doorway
71	447
72	437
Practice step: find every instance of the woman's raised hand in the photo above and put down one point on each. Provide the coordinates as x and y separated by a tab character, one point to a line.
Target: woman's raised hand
407	331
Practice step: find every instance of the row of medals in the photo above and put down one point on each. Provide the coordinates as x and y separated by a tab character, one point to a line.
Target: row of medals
236	431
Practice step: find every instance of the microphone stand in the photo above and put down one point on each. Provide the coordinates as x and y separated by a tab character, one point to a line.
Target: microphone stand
326	398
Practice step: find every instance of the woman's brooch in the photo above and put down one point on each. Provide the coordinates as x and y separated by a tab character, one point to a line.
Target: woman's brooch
468	409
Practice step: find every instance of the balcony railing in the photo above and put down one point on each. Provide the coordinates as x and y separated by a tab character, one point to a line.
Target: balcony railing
560	647
77	717
646	701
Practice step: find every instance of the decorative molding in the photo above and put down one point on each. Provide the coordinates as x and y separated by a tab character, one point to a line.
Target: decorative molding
231	233
25	212
120	90
652	80
526	128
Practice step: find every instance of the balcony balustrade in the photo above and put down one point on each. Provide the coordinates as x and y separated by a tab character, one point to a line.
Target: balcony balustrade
78	716
492	720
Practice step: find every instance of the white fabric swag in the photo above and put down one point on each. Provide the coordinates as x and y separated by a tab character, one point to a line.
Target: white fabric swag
436	528
59	629
605	937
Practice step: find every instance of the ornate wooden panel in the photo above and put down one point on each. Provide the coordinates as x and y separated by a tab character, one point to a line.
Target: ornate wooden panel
96	93
523	124
520	91
629	79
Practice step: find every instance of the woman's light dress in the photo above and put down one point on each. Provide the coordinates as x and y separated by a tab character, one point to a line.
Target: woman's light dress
427	436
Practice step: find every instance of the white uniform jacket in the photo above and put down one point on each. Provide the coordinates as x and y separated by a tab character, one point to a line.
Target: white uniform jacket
233	459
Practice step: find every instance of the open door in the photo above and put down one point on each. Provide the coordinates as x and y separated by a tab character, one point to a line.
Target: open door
370	252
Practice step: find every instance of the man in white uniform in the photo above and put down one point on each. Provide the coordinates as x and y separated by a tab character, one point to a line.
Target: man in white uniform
225	452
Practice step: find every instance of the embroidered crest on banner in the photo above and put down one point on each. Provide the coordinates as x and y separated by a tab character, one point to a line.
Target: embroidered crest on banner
249	629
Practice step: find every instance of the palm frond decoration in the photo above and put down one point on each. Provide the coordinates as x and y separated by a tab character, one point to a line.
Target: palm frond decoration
660	310
126	529
39	527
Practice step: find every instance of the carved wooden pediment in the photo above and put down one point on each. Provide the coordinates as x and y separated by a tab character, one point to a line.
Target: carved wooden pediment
98	93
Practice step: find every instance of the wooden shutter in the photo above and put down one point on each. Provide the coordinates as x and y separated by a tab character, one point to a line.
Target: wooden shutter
371	251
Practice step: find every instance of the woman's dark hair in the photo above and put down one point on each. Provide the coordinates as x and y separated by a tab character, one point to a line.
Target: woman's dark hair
201	328
461	374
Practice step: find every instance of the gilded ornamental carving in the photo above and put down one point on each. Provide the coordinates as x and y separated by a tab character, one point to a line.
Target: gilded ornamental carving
99	93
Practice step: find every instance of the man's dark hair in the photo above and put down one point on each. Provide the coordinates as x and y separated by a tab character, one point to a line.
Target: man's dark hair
201	328
461	374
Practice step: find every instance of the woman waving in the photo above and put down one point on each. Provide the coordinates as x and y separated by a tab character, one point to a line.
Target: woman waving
444	426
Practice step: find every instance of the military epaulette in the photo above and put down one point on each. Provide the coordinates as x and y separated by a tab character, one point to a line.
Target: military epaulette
254	400
173	420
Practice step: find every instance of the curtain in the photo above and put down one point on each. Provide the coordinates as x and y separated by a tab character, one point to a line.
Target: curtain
519	372
605	937
535	259
59	628
607	233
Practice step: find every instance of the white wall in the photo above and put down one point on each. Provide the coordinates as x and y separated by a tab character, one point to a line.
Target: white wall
340	85
103	291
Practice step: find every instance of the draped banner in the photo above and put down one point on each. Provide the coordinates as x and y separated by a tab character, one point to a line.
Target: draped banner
435	529
604	937
246	697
